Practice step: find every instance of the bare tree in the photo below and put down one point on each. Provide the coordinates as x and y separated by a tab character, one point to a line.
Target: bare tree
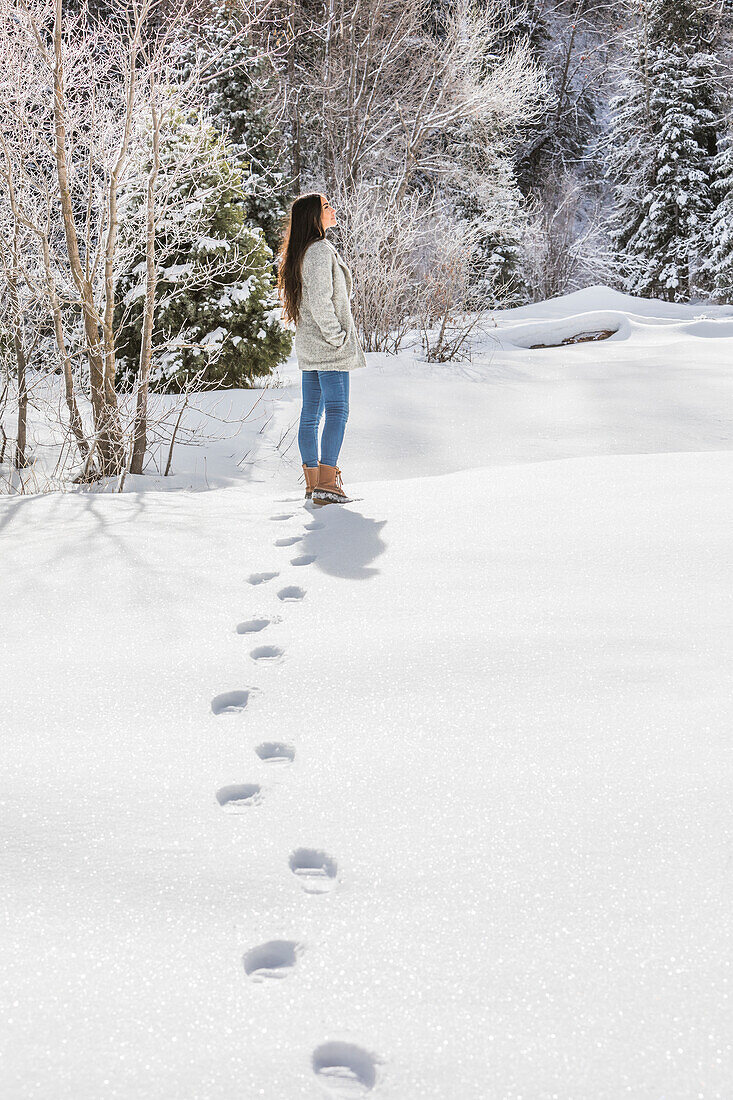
151	278
14	325
379	86
383	238
83	104
565	243
4	395
446	322
415	269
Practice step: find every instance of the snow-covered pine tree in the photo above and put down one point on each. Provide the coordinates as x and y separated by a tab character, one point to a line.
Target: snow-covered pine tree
218	313
493	203
718	264
629	150
663	141
240	93
482	190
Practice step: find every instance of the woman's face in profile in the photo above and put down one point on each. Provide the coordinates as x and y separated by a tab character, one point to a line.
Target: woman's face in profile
328	214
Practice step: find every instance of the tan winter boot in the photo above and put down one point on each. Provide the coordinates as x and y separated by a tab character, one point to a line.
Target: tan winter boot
311	479
329	489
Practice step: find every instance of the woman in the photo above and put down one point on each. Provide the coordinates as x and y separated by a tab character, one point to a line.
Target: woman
316	287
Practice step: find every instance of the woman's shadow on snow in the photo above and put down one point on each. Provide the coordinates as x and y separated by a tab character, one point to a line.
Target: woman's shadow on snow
346	544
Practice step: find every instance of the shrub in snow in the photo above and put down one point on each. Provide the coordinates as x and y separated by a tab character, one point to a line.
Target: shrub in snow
217	314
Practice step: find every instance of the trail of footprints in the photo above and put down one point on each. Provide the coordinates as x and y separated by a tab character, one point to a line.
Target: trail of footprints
344	1070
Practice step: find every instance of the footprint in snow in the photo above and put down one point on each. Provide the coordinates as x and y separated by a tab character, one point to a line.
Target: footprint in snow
237	798
253	626
344	1069
271	960
260	578
315	526
289	541
267	654
291	592
275	752
283	515
315	870
230	702
304	559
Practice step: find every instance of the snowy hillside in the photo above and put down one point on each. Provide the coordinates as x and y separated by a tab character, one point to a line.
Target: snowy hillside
428	796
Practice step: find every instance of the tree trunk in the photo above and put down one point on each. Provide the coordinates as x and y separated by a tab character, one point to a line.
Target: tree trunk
143	374
104	400
294	114
21	458
75	421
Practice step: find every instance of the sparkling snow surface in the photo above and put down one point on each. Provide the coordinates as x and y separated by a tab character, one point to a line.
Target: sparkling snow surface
428	796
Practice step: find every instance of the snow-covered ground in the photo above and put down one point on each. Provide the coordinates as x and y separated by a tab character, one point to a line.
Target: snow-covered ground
429	796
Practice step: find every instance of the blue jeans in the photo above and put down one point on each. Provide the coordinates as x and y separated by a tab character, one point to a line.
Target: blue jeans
329	390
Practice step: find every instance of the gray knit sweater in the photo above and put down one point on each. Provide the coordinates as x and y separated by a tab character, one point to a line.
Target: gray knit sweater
325	333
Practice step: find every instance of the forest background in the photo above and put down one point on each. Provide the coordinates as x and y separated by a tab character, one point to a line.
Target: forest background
480	154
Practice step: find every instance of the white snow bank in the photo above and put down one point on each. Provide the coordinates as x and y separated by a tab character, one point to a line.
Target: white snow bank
553	332
423	798
599	297
507	695
623	326
652	387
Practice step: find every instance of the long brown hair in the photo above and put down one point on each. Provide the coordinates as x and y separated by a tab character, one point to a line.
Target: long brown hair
305	225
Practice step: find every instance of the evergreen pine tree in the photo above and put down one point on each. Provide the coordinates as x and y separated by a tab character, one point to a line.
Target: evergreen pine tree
629	159
718	266
498	211
227	306
663	140
238	99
